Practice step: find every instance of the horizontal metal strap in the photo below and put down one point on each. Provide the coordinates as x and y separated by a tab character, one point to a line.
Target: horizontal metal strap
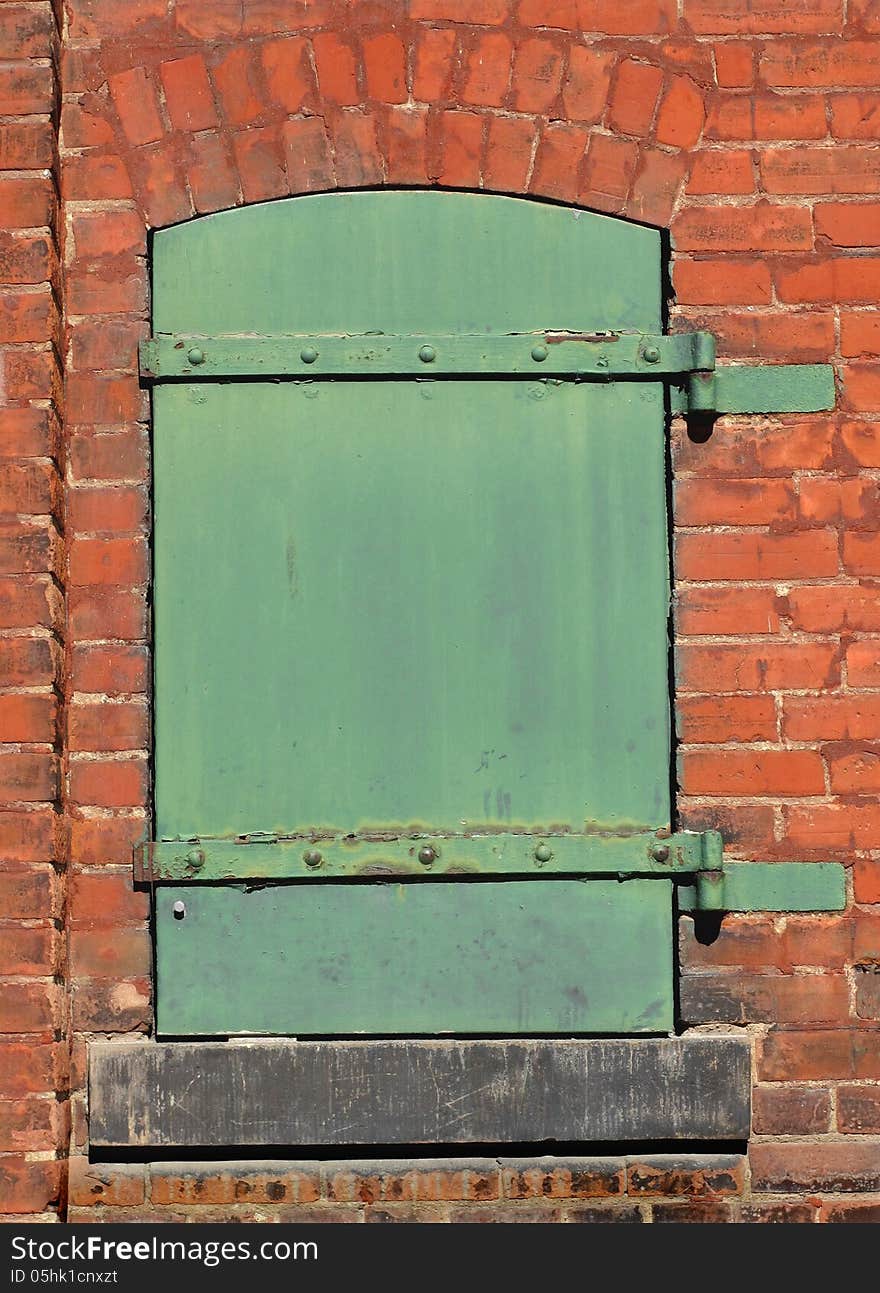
753	388
271	858
767	886
170	356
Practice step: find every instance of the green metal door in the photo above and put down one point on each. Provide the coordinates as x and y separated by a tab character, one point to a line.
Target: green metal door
411	700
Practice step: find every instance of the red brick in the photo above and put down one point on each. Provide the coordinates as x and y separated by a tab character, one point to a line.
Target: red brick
188	94
778	116
357	151
108	455
28	1068
134	95
735	64
509	147
111	1186
487	70
27	778
863	663
85	123
560	153
26	202
101	841
861	387
851	1212
98	234
30	951
859	335
307	156
405	141
101	18
28	718
656	185
862	442
213	180
105	343
158	171
125	955
732	502
27	662
704	609
824	501
26	258
27	894
763	17
111	1006
752	772
98	901
634	97
29	1187
385	67
855	116
849	224
681	116
28	550
749	229
485	12
701	1176
259	157
288	72
237	86
845	169
785	1000
585	92
210	1184
222	19
858	1109
337	70
460	147
27	835
831	718
807	337
832	1166
722	170
264	17
26	145
25	88
107	727
433	65
108	561
837	827
90	177
738	555
102	400
790	1111
109	783
28	433
107	509
819	64
563	1178
107	612
27	315
29	488
755	667
27	29
712	719
808	1055
609	172
29	1008
29	602
866	14
861	553
866	878
537	76
30	1125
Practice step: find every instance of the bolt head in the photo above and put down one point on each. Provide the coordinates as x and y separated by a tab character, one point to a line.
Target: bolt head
660	852
308	354
651	355
195	858
195	356
543	853
539	354
427	354
179	910
313	858
427	854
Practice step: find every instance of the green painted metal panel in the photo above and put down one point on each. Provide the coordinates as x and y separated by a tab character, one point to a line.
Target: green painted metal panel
408	606
405	262
770	388
518	354
475	855
554	956
772	886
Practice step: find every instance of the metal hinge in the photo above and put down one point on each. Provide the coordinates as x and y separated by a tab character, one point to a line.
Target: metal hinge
685	360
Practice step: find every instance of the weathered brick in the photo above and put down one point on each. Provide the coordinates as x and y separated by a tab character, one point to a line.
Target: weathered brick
697	1177
791	1110
815	1167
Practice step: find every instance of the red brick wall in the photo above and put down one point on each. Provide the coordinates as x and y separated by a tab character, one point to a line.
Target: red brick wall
748	127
